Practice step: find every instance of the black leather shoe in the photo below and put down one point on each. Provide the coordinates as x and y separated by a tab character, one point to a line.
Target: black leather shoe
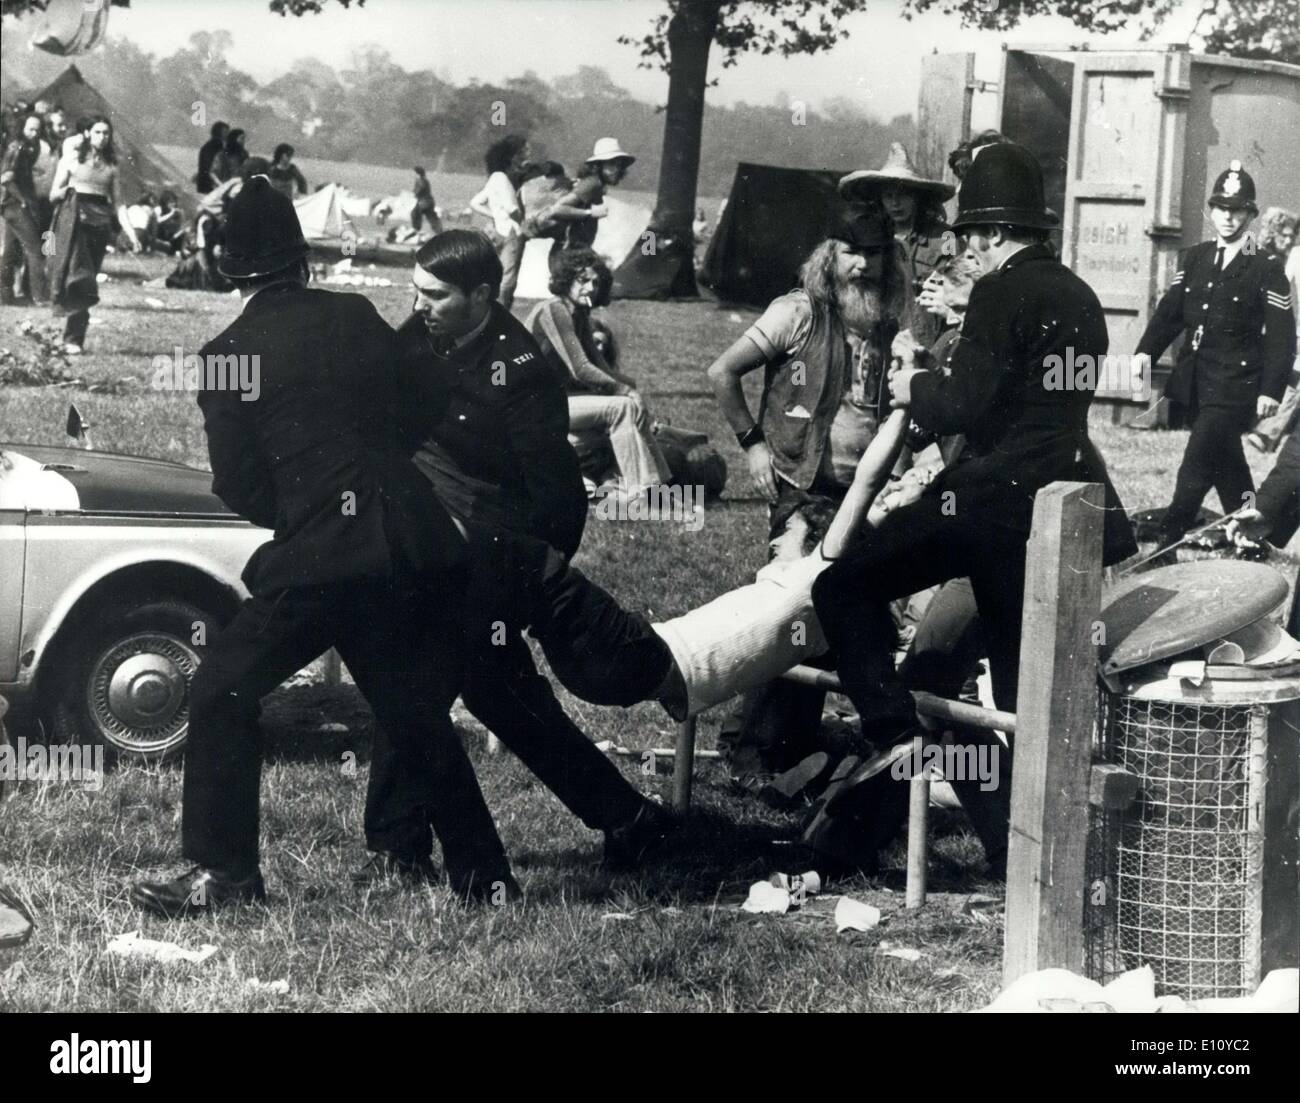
641	839
197	892
491	892
386	866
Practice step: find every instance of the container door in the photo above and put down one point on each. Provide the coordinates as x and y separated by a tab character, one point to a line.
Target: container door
943	111
1123	187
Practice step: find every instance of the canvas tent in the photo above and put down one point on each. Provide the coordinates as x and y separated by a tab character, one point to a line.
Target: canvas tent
141	167
322	217
774	218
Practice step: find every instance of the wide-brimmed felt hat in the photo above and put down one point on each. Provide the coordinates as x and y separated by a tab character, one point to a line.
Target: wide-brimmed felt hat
1004	185
1234	189
263	233
864	228
608	149
897	169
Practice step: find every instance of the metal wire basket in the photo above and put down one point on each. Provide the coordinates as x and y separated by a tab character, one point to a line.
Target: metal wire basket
1176	882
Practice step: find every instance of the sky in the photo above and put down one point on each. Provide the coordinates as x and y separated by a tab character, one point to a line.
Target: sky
877	66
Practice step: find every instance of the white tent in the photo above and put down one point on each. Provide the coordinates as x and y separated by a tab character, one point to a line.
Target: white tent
322	216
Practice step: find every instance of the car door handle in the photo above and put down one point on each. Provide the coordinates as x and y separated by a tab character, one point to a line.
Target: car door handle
64	467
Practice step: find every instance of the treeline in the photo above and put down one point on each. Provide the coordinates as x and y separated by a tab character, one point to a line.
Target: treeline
376	112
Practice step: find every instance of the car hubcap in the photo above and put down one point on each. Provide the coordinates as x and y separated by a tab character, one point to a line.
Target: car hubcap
138	691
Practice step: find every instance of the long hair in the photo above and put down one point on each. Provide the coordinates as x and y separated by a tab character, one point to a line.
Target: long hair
109	153
502	152
571	264
817	278
1271	224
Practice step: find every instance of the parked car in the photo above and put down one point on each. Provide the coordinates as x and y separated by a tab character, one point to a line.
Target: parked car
114	570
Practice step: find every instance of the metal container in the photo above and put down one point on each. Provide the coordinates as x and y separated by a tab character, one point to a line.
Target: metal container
1130	141
1199	878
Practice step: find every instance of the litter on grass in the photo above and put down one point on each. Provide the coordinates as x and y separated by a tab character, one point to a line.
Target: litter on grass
131	944
854	915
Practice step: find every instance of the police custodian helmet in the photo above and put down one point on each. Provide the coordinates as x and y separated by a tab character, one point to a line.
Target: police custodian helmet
1234	189
1004	185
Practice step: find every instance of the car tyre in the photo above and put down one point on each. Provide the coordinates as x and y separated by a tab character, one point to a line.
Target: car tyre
122	678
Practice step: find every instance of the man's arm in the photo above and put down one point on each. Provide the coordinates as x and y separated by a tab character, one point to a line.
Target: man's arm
1279	496
240	476
1279	332
536	423
870	477
1167	321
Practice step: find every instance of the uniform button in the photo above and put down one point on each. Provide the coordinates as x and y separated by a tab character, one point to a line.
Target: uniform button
1205	306
1243	363
461	417
1210	284
1235	299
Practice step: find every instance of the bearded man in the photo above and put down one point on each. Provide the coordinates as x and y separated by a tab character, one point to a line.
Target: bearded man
824	348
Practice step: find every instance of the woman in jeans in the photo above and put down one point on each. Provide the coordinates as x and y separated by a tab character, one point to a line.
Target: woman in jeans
600	398
87	199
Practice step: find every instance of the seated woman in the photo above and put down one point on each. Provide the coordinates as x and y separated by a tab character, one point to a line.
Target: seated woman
169	223
601	399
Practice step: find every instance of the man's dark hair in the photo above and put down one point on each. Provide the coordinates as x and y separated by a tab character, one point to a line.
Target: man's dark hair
572	263
234	141
501	152
219	130
281	150
463	258
961	158
418	170
817	511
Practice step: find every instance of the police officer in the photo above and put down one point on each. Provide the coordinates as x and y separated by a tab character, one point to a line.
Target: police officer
1025	428
364	559
497	452
1234	307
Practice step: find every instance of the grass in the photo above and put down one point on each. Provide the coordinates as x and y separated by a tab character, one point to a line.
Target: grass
672	938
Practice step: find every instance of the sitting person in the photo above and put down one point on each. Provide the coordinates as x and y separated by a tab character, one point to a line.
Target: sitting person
169	223
600	397
140	227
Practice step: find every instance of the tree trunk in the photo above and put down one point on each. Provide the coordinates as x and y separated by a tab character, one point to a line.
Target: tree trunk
690	36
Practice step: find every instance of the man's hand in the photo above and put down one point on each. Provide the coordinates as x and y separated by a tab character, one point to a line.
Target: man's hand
1248	528
930	297
759	458
599	210
900	385
1265	406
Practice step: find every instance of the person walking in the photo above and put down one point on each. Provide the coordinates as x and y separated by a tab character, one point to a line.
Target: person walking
87	201
583	206
1235	306
425	209
21	210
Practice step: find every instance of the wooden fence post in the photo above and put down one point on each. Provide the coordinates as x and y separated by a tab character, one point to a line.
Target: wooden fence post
1055	716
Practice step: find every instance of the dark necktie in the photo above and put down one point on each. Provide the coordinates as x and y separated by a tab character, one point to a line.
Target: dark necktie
1218	259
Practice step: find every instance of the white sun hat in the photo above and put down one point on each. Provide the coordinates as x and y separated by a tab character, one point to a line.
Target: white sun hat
608	149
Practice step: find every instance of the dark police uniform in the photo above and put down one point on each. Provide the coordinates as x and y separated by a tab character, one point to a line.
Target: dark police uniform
498	454
363	559
1239	343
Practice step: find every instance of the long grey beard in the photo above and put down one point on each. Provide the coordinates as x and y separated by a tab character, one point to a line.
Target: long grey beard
861	306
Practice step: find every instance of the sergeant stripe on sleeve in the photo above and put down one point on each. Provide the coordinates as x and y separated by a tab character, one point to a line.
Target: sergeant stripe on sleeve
1177	279
1282	302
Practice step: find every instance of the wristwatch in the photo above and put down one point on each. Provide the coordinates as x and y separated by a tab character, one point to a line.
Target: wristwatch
750	437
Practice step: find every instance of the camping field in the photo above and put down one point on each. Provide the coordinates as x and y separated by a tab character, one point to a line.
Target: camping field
670	938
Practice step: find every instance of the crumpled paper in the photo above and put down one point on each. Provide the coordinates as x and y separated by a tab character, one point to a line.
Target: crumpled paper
1061	990
781	892
854	915
131	944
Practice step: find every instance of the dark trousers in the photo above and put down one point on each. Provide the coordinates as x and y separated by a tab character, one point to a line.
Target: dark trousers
917	547
599	651
943	660
401	641
22	240
1213	458
75	327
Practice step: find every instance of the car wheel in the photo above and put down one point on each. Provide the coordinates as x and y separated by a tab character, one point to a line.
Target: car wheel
123	681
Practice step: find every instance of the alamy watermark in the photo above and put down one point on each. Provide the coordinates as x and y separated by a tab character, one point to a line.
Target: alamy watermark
69	762
684	504
1086	372
951	762
241	374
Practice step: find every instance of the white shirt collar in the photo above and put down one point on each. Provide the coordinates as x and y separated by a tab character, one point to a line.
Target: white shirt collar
1230	248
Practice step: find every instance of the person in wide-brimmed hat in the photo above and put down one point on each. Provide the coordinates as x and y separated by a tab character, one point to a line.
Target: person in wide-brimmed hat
915	205
584	205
